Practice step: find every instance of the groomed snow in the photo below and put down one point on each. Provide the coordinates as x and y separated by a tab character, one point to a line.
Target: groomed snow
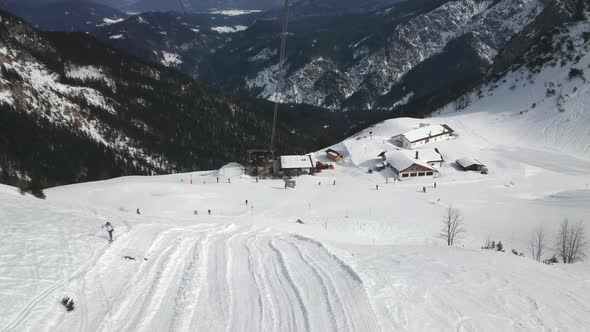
364	259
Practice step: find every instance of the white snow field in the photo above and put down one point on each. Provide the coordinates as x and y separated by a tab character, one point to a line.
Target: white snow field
363	259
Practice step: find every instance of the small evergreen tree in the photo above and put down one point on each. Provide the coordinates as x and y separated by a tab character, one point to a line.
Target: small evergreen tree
68	303
36	189
32	187
576	72
499	246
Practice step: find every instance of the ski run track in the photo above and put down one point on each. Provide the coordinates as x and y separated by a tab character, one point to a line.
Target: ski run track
212	278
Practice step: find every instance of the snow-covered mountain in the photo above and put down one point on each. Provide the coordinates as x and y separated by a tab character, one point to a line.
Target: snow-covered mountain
402	52
378	62
544	89
375	63
65	94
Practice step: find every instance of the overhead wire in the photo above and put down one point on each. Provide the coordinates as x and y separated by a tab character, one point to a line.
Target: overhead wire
280	73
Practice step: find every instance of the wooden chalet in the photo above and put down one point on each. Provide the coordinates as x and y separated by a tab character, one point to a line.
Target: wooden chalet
423	135
406	167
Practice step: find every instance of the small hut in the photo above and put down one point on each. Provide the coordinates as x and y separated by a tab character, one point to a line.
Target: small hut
471	164
334	155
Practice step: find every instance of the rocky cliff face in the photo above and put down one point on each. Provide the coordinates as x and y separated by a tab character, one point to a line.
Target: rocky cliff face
557	13
359	68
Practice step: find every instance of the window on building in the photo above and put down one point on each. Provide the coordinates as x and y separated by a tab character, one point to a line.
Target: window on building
405	175
421	174
413	174
429	173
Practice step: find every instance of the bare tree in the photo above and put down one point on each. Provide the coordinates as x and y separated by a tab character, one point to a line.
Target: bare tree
571	242
452	225
537	244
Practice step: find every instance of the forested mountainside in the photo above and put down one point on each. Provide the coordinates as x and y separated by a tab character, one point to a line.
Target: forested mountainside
385	59
75	110
173	39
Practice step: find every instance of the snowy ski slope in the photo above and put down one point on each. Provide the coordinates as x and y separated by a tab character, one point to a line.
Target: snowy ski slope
364	259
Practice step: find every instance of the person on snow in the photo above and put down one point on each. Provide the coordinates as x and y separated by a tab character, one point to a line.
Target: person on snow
109	229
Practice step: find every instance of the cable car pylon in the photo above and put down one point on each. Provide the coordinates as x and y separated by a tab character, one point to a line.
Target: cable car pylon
280	74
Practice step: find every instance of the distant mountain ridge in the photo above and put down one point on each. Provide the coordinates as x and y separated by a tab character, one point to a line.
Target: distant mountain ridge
65	15
394	53
382	61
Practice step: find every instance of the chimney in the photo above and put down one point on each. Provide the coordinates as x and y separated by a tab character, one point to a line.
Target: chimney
417	155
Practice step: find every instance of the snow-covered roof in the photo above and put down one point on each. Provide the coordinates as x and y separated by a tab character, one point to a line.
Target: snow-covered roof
288	162
425	154
421	133
466	162
400	160
333	153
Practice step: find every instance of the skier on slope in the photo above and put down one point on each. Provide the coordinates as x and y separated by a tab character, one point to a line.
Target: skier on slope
109	229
